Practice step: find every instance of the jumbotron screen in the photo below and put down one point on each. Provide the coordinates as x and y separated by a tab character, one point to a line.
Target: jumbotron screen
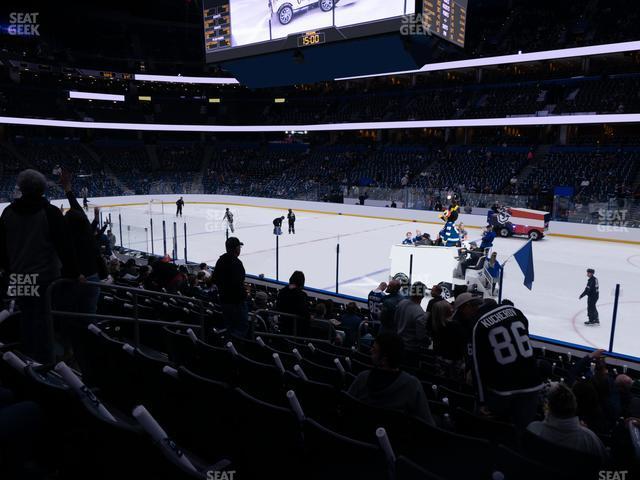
239	28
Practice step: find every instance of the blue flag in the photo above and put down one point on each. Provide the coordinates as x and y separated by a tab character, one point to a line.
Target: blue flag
524	257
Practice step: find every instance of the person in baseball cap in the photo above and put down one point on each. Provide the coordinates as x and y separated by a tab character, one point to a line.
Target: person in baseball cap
229	275
466	306
232	243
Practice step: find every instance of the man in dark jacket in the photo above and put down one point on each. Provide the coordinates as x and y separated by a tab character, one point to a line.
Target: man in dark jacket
277	225
411	321
228	276
592	292
35	250
293	300
389	304
386	386
436	296
291	219
179	205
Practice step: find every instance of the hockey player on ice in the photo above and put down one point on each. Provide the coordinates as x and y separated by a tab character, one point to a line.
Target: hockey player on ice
228	216
592	292
277	225
291	220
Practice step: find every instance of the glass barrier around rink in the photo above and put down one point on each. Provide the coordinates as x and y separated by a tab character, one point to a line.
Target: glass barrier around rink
134	237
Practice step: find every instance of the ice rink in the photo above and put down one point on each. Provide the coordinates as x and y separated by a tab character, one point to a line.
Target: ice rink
552	307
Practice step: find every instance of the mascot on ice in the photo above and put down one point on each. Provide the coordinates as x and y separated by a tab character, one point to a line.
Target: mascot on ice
449	235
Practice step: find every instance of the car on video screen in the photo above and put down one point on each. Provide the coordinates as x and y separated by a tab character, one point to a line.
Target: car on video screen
285	9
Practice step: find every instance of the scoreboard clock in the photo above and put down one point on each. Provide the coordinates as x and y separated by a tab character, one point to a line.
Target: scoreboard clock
311	38
446	19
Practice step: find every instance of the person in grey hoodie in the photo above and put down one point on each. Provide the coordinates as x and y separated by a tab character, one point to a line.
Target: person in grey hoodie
386	386
35	250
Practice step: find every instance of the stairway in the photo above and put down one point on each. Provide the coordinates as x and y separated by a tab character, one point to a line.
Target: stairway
197	186
99	165
540	154
153	156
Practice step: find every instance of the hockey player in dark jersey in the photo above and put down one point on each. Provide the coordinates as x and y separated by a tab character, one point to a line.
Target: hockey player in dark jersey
592	292
179	205
291	220
501	358
277	225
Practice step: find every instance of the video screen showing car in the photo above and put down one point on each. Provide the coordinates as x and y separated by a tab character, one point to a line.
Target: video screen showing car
254	21
241	23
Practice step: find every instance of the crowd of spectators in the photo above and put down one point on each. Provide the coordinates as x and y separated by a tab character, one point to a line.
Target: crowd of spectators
415	176
409	337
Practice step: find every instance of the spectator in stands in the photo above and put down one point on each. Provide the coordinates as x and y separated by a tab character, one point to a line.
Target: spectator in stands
436	296
561	425
411	322
386	385
447	334
35	247
350	322
228	276
114	269
425	240
629	403
292	299
375	299
408	240
389	305
203	268
90	262
589	409
112	239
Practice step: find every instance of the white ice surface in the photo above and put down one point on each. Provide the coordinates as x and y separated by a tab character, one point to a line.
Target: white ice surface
552	307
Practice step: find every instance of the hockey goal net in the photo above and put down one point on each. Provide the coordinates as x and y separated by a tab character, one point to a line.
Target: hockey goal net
155	207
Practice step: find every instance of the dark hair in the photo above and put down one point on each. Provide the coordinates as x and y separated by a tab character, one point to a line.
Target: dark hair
203	265
297	279
390	348
562	402
506	301
351	307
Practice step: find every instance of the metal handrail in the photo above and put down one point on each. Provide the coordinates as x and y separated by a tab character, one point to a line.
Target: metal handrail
50	313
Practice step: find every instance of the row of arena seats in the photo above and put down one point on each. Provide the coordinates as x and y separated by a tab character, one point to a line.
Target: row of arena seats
270	405
596	174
